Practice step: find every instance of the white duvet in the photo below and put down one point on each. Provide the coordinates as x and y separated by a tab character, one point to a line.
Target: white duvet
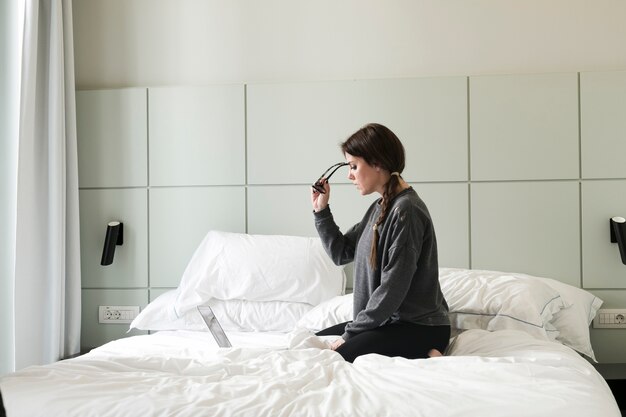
503	373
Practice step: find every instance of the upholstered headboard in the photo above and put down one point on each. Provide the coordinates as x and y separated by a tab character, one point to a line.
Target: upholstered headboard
520	173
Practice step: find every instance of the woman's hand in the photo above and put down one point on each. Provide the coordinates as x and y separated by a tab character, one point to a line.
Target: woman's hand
335	345
319	200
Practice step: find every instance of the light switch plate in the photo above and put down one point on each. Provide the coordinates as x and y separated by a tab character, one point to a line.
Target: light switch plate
610	318
117	314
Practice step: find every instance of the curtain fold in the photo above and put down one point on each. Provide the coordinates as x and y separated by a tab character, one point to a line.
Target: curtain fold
47	255
10	56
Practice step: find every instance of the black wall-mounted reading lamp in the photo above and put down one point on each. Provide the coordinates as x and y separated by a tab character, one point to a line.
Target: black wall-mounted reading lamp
618	235
114	236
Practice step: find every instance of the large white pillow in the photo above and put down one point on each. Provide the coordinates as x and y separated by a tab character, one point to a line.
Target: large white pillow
240	266
233	315
492	300
329	313
571	324
487	300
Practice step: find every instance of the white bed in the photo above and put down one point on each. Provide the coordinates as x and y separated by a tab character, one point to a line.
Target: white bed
518	350
183	373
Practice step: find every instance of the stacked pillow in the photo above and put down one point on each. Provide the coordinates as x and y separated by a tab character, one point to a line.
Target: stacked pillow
542	307
236	266
571	325
490	300
278	283
234	315
252	282
493	300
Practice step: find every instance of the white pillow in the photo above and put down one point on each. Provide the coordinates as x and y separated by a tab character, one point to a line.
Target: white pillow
492	300
329	313
571	324
233	315
239	266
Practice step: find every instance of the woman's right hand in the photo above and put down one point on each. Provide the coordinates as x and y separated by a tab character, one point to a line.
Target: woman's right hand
319	200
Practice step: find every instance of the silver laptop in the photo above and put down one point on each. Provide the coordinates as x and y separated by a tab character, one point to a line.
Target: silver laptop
214	326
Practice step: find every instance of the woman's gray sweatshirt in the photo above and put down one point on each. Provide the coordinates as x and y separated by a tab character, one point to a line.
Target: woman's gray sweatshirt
405	285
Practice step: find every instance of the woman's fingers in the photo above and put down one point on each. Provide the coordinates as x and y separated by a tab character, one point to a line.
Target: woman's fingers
320	200
335	345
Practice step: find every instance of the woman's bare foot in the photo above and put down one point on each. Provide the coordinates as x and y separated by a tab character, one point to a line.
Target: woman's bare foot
433	353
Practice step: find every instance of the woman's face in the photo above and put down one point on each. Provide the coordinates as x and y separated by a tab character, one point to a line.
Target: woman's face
367	178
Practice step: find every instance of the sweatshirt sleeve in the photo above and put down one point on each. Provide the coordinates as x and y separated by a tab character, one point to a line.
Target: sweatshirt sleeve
339	247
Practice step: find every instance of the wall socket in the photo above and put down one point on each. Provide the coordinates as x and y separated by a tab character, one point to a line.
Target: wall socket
117	314
610	318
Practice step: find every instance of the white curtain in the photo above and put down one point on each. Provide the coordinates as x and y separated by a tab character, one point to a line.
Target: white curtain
44	276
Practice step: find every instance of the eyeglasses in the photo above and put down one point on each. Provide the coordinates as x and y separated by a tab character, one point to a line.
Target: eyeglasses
319	186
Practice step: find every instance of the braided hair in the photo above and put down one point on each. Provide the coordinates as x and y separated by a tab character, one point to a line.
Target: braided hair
380	147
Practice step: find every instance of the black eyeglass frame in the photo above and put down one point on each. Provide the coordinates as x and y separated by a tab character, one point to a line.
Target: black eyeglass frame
318	186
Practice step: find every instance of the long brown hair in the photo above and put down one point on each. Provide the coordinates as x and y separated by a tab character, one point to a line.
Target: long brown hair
379	147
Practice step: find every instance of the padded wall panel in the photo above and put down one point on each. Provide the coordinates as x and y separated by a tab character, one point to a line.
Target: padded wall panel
524	127
130	263
531	227
294	129
287	210
448	205
156	292
95	334
179	220
112	137
603	124
197	135
602	264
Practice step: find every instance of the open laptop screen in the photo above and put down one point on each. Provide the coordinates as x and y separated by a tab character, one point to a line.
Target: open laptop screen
214	326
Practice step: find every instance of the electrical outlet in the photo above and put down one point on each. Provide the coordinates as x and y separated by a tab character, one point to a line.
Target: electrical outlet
610	318
117	314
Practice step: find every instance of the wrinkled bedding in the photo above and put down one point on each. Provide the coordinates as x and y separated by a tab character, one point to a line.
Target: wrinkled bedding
183	373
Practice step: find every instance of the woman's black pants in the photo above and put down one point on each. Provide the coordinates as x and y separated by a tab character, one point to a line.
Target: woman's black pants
409	340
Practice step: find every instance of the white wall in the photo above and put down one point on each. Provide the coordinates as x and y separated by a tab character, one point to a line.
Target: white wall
173	42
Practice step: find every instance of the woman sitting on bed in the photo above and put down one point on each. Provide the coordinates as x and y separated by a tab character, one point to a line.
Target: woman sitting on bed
399	309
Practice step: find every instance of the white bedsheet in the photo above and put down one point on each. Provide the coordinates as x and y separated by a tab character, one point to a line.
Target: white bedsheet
505	373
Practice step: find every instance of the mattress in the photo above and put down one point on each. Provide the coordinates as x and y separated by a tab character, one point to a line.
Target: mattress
184	373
